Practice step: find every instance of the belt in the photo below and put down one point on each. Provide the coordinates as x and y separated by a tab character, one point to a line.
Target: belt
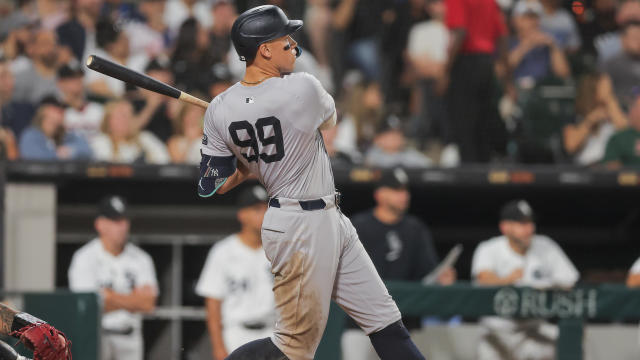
126	331
308	205
254	325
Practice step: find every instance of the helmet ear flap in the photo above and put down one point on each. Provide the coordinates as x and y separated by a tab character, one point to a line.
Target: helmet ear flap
298	51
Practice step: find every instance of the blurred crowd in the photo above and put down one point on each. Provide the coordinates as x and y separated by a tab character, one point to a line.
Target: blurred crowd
418	83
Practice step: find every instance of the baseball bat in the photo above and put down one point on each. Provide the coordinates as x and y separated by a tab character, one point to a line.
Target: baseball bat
129	76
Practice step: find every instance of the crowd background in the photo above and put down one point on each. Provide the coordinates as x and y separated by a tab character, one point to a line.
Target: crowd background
418	83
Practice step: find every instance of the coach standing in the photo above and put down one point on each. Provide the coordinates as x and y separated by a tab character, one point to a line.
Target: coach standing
401	248
477	28
124	276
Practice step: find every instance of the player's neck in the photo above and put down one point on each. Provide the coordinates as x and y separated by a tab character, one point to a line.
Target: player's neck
386	215
250	238
257	73
517	248
112	249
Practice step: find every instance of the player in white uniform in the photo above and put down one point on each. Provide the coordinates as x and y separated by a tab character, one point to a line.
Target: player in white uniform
236	281
268	126
124	276
522	258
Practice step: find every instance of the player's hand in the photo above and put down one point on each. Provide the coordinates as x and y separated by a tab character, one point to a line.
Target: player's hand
515	275
447	277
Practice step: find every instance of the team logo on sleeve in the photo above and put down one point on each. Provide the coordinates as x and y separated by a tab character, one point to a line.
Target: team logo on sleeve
205	141
249	100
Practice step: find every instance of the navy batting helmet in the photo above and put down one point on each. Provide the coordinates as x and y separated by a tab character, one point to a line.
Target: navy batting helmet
259	25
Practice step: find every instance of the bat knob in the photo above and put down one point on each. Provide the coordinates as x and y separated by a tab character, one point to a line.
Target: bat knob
89	60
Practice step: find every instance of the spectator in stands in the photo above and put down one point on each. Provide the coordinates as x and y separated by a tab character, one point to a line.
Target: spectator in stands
363	110
236	281
400	246
427	53
620	67
390	148
599	22
178	11
318	28
623	148
38	79
190	62
184	146
341	149
113	44
147	32
560	24
120	141
124	276
534	55
599	116
81	116
224	14
359	24
477	30
523	258
14	115
47	139
8	144
78	34
155	112
610	44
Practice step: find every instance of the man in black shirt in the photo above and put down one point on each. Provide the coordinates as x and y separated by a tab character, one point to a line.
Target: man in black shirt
400	246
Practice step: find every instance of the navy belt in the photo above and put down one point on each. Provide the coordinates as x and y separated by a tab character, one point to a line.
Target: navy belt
254	325
317	204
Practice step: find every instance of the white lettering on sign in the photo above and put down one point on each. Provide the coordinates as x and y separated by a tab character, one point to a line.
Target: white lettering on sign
581	303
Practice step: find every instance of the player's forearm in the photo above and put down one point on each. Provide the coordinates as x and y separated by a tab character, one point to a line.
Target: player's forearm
214	324
241	174
133	302
492	279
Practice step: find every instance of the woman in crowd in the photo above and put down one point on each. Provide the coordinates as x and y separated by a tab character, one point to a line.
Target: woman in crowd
121	142
598	116
184	146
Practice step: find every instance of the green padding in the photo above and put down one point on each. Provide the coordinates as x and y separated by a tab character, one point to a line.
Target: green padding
75	314
605	302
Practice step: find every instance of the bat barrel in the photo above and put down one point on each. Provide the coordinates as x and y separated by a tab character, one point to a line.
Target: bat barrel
130	76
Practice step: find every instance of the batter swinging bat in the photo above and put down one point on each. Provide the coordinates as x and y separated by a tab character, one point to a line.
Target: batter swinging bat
129	76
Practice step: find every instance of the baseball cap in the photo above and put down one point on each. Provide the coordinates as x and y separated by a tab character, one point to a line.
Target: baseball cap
389	123
517	210
525	7
113	207
71	70
251	196
395	179
160	63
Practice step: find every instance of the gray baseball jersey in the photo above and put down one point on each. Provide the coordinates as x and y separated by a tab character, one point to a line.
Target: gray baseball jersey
275	120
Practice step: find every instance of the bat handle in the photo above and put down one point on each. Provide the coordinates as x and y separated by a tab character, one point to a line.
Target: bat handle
193	100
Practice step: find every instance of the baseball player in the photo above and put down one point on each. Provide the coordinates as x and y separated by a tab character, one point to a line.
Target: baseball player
236	281
267	126
124	276
46	341
523	258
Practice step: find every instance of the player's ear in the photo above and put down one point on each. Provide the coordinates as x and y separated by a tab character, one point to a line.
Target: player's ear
97	224
265	51
504	227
